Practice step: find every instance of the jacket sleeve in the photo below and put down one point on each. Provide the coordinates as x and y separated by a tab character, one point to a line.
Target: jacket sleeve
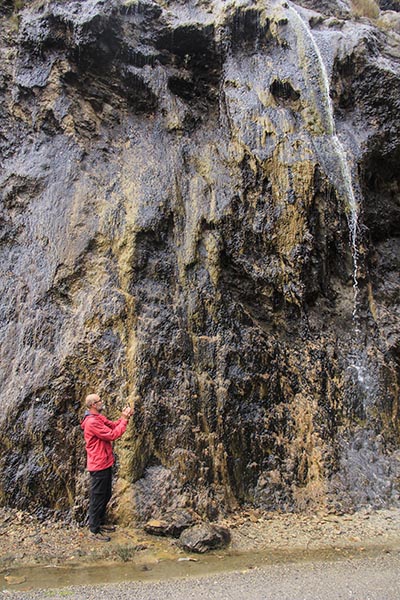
112	424
101	430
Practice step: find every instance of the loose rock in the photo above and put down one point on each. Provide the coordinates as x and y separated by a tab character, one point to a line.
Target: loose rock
204	537
172	523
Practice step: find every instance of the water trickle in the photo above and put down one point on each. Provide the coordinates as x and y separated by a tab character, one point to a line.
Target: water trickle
362	379
345	185
361	389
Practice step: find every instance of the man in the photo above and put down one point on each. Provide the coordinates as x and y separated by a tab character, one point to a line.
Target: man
99	432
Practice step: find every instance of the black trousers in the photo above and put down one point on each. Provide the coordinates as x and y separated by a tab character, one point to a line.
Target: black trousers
100	494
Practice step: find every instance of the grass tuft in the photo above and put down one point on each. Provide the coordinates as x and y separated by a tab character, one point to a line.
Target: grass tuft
365	8
125	553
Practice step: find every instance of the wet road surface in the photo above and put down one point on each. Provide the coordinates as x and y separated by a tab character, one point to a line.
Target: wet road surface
365	577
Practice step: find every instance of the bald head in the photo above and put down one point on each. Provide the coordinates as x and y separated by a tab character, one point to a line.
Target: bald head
91	399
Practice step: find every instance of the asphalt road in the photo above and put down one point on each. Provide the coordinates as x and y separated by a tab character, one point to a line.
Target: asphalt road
364	578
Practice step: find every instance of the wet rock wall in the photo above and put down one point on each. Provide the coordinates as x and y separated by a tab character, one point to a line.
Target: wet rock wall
176	229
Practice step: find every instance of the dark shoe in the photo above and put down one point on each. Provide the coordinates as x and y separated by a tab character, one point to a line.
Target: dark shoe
109	528
99	537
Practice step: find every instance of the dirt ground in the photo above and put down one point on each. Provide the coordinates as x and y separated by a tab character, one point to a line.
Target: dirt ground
24	541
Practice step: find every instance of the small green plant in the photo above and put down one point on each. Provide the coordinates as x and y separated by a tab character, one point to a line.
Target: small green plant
365	8
125	553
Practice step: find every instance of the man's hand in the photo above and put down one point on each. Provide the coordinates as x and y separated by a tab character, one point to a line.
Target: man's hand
127	412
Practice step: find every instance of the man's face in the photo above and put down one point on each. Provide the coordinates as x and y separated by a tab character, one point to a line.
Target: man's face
98	404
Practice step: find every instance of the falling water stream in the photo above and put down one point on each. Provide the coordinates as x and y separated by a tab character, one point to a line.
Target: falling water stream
346	183
359	368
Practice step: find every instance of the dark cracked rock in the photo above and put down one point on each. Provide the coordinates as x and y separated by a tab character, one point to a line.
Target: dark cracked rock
204	537
199	207
172	523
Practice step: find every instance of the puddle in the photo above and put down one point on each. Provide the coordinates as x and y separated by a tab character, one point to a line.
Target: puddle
53	577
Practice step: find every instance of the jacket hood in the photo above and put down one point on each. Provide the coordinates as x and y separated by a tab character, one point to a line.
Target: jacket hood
85	416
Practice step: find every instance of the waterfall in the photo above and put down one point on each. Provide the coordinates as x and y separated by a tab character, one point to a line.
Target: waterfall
346	182
360	371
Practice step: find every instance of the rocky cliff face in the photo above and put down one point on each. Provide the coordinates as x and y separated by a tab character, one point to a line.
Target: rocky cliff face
200	207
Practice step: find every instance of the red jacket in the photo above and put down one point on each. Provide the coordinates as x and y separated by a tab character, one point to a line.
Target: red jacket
99	432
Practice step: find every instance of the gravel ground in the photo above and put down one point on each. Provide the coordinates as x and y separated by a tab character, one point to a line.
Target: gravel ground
24	541
53	555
